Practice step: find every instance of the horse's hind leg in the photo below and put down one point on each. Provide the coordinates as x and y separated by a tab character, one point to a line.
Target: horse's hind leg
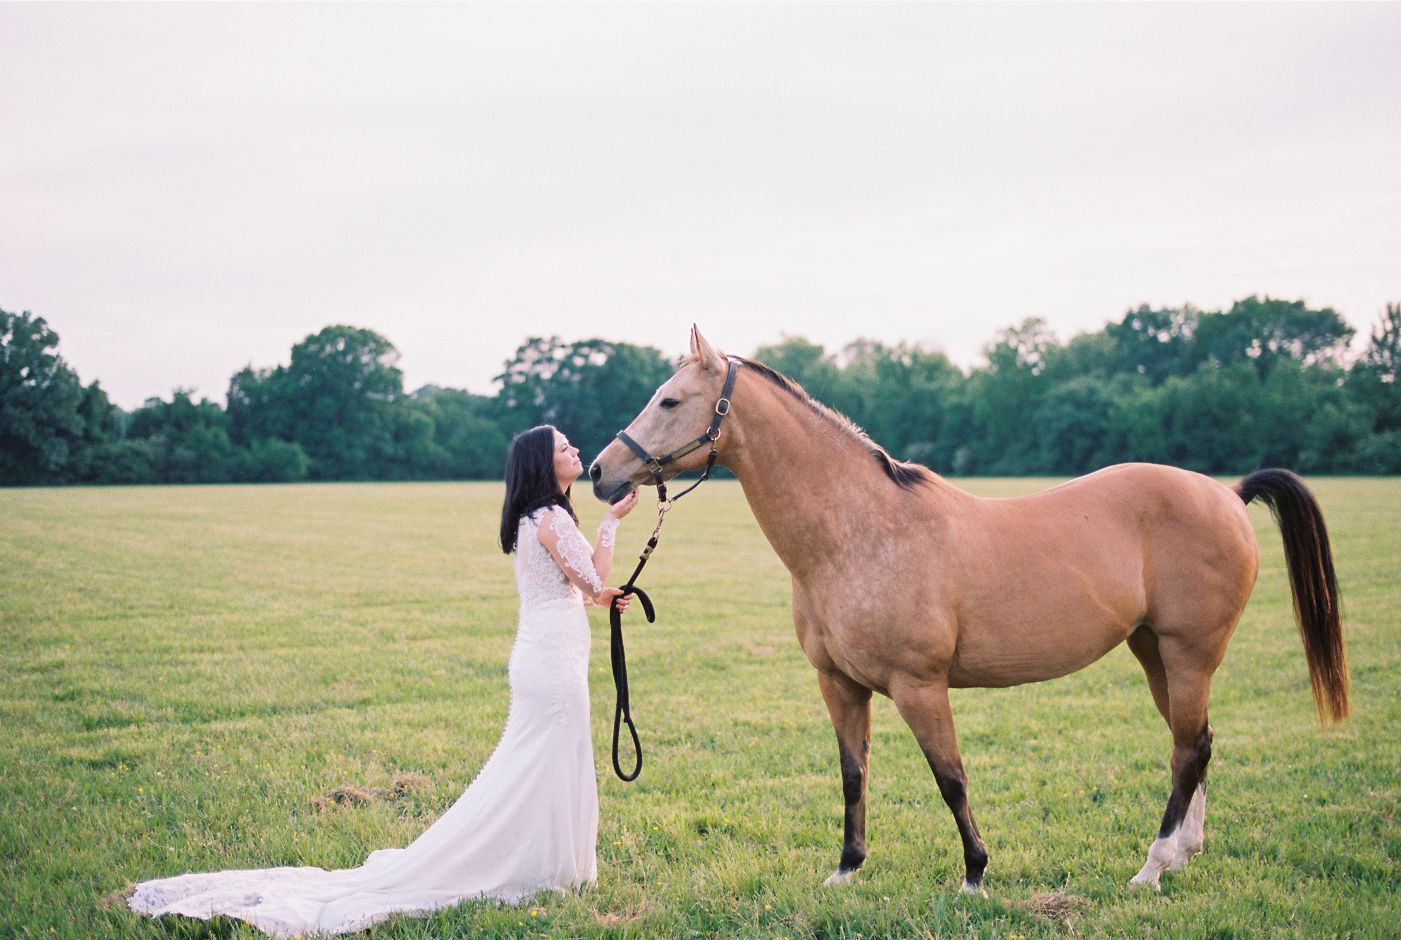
1192	834
1188	675
925	709
849	705
1144	644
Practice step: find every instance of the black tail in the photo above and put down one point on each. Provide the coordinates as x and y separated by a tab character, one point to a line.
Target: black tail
1311	578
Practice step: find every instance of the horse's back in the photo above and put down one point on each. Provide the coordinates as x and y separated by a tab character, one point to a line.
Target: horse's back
1156	500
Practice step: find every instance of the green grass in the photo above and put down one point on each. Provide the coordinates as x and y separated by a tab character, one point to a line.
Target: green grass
187	669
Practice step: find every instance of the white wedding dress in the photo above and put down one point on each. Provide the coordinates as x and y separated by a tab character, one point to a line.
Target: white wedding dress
528	822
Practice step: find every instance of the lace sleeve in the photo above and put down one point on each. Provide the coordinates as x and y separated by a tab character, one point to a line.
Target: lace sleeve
608	533
574	551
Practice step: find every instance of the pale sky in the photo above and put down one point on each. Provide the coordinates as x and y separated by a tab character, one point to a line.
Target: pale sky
186	189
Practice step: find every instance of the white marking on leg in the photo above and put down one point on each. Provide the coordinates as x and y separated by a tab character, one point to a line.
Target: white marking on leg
972	890
1160	856
839	877
1191	836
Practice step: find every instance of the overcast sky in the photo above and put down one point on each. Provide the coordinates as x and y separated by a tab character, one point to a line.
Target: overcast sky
186	189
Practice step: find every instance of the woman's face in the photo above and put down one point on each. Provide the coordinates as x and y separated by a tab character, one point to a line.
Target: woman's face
567	463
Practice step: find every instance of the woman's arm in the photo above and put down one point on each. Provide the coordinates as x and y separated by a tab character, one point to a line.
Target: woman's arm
603	549
570	550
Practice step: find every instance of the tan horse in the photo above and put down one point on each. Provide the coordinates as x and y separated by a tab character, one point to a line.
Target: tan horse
904	584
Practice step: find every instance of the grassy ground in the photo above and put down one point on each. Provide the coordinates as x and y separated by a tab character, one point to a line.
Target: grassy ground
186	670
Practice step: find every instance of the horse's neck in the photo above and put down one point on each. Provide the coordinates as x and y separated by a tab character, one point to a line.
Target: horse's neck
813	487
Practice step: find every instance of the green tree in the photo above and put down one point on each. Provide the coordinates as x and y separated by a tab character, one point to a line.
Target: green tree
1075	426
101	430
255	406
1231	420
340	389
1383	353
1203	422
472	445
415	454
188	441
271	460
339	399
1310	421
1373	380
901	392
1155	344
125	461
587	389
1266	331
1004	398
48	421
809	365
1024	349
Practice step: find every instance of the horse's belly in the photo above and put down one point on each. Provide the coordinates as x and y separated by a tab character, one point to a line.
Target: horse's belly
1047	643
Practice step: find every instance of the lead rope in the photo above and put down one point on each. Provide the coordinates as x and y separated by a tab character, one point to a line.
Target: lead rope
622	713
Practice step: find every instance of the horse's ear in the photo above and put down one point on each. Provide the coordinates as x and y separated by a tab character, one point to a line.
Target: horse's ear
703	352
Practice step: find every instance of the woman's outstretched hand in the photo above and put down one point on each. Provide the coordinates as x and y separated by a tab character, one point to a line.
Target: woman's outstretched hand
623	506
604	598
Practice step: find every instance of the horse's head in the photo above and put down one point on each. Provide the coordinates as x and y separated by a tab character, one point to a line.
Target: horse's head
680	412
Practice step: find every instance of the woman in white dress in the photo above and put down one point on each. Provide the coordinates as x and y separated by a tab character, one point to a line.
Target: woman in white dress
529	821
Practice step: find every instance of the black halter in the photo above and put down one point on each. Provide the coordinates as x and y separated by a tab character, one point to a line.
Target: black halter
655	465
623	711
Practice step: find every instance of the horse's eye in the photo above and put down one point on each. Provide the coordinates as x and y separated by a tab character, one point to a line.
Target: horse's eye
669	403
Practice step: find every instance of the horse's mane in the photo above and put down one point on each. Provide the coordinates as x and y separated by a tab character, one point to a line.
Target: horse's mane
906	475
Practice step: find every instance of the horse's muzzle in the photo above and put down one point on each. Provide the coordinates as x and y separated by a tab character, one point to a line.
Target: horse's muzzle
610	491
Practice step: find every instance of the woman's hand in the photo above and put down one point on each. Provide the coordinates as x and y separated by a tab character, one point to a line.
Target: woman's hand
604	598
623	506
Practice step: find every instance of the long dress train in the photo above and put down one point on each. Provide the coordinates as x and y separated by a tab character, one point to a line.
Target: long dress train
527	823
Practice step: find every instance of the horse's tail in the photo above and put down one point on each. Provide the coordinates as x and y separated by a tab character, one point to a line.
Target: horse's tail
1311	578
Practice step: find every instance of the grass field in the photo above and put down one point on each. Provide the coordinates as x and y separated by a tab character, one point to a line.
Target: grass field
187	669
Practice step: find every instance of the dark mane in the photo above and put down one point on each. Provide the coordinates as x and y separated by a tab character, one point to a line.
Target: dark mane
905	475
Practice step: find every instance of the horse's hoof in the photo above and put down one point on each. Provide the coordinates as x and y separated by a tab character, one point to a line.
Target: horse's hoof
1161	854
839	877
972	890
1146	877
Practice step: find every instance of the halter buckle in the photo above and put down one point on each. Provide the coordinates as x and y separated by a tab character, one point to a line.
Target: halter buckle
722	407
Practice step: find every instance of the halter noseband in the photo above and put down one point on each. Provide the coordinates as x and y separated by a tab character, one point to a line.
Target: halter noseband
655	465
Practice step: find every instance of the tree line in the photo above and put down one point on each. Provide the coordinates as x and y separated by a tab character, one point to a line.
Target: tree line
1266	383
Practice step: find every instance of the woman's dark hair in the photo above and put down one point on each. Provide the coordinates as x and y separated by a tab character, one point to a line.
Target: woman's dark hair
530	481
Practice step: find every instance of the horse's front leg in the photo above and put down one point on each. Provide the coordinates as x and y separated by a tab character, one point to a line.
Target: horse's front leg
925	708
849	704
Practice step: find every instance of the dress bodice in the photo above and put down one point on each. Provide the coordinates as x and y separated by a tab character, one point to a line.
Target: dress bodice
539	580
